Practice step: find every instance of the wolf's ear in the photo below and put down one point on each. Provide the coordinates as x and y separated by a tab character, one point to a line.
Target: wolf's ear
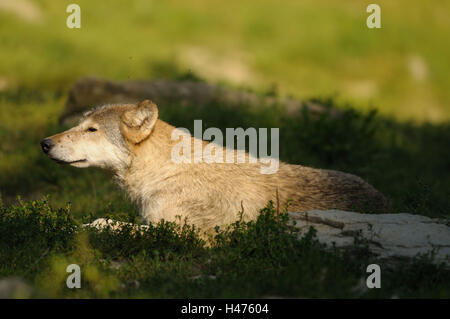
138	123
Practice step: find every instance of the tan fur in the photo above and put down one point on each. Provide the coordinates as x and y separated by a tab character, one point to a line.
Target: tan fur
206	194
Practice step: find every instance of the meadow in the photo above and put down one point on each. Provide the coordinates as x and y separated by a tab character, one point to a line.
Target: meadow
390	84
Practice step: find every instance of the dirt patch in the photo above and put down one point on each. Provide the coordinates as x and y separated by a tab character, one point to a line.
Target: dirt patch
231	68
24	9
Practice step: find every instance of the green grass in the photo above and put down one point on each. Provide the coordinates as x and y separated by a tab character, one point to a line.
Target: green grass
303	48
306	49
261	258
405	161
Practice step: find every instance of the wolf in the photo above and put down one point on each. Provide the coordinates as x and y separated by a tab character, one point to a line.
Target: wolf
131	142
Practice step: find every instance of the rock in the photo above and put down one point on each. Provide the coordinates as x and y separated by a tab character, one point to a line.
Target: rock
14	287
388	235
114	225
88	92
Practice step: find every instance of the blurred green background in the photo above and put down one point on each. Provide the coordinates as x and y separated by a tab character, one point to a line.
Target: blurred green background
302	48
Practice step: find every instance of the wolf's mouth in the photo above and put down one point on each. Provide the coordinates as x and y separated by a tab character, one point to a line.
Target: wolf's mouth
66	162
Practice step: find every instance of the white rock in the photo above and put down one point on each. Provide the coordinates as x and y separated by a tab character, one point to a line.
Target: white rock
388	235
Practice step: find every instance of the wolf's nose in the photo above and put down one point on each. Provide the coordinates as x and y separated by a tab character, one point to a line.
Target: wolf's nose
46	145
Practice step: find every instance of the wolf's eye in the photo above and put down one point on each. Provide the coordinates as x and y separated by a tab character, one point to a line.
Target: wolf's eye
92	129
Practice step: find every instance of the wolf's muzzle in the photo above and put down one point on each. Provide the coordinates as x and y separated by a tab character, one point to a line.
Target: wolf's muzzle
47	145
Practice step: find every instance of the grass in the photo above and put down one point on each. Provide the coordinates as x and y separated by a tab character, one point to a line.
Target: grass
261	258
258	259
310	50
302	48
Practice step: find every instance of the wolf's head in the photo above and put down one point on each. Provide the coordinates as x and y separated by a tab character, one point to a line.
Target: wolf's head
104	136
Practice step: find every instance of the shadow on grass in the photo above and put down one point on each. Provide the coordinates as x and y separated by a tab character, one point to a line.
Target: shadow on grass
261	258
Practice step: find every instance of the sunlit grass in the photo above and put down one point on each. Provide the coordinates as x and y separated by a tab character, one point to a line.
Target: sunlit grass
305	49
